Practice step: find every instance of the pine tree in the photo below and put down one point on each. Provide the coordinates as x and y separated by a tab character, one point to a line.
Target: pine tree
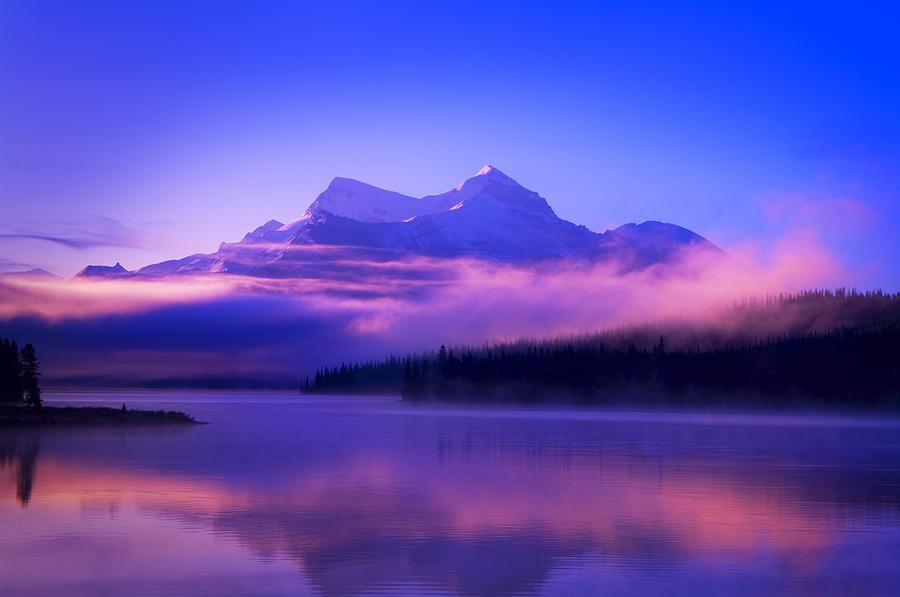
10	372
30	375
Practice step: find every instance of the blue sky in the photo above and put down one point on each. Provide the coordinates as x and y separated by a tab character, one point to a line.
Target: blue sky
143	131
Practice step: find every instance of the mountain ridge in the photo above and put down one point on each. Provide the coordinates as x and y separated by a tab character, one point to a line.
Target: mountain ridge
487	216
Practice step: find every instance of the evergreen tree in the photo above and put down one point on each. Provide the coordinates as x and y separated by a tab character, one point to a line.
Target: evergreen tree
10	372
30	375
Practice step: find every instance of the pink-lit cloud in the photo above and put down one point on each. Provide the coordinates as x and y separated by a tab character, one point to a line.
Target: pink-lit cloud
57	300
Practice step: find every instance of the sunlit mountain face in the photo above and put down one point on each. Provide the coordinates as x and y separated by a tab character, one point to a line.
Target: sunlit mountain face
488	216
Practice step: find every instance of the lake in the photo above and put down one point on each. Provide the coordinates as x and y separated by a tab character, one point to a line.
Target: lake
286	495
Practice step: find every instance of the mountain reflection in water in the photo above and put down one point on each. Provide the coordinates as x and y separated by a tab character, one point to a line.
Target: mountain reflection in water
286	495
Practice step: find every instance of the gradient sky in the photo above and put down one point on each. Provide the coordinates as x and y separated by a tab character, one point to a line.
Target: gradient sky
144	131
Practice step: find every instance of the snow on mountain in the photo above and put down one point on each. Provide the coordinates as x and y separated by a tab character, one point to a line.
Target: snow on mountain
363	202
490	183
268	232
487	216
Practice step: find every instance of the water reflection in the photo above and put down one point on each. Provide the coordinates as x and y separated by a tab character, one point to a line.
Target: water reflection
293	498
20	456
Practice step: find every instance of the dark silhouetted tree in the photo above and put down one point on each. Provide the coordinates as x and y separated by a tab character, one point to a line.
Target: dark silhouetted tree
10	372
30	376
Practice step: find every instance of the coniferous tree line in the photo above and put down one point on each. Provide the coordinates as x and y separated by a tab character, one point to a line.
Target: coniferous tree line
368	377
839	346
19	374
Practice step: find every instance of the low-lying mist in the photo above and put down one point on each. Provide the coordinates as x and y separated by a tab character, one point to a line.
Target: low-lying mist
275	330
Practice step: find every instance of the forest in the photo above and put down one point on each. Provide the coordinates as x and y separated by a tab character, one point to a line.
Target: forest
19	374
836	347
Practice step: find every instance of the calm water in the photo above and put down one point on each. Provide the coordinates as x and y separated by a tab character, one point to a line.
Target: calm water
282	495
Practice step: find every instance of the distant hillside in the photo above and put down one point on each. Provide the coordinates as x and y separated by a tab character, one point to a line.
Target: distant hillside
838	348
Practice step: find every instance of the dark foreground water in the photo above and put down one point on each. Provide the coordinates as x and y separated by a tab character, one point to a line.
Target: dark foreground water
283	495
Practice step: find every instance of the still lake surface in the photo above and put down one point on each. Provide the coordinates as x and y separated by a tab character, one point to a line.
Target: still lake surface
283	495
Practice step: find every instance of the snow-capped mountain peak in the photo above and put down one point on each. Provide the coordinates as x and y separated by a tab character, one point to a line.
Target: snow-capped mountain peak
363	202
487	175
493	174
487	216
491	185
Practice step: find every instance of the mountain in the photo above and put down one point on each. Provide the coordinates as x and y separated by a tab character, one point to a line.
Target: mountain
103	271
488	216
34	274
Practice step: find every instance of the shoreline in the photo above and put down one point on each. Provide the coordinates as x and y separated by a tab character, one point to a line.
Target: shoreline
14	415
